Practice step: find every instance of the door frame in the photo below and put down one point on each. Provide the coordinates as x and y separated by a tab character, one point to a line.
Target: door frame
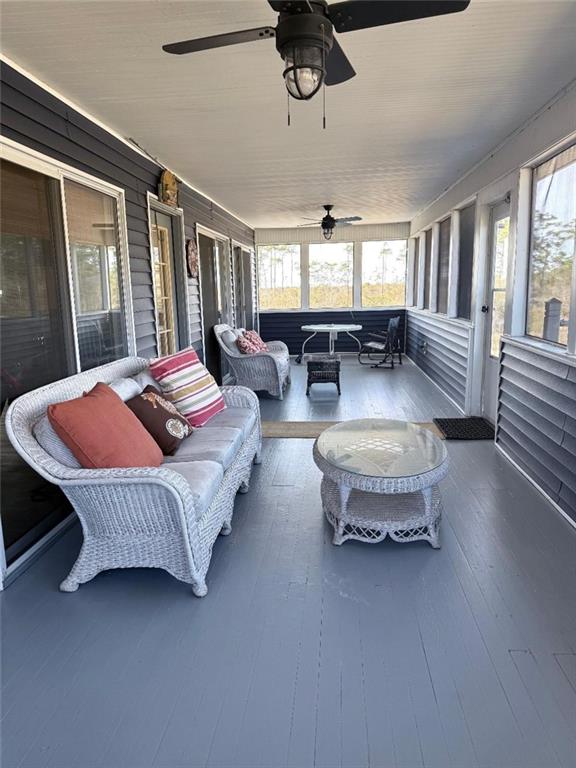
182	314
485	200
495	211
215	235
249	251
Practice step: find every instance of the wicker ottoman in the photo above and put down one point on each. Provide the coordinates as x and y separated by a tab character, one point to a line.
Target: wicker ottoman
323	369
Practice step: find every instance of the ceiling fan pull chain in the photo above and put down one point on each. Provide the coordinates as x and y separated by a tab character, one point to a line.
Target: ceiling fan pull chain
323	82
288	106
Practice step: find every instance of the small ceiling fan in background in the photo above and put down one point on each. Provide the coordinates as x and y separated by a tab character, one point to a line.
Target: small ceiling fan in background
305	35
328	223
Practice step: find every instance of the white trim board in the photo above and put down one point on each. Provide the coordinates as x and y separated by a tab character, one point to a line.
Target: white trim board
348	234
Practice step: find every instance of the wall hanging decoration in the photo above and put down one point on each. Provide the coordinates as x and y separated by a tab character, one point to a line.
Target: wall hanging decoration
192	257
168	189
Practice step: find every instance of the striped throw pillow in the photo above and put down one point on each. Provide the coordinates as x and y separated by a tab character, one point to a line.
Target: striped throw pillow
187	383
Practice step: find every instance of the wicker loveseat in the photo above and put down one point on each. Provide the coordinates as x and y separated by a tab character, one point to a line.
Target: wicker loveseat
262	372
166	517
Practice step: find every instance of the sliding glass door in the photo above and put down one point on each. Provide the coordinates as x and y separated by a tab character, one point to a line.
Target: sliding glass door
64	305
37	340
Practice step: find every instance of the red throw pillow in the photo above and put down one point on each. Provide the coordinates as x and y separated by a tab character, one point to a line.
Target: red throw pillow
160	418
102	432
256	339
246	346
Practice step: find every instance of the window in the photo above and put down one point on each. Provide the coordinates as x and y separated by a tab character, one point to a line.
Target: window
500	254
331	275
427	264
553	248
279	277
466	260
93	237
443	265
416	273
164	281
384	273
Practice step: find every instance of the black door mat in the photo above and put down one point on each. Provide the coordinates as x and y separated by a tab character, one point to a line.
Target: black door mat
471	428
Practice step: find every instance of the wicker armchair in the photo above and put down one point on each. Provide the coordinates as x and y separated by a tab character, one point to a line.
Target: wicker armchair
141	517
264	371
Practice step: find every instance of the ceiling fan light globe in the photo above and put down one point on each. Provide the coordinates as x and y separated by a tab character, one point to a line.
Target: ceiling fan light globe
304	70
327	233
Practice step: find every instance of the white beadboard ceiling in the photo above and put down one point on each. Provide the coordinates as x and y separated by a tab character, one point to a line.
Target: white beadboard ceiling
431	98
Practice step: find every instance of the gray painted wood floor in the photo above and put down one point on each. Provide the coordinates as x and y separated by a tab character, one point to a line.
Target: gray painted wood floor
304	654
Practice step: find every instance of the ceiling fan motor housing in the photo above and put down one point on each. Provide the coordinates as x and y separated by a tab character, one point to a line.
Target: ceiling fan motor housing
304	41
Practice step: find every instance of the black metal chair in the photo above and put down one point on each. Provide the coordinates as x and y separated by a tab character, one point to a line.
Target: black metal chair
382	347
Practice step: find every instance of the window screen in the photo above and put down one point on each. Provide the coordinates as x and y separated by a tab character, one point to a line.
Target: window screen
466	260
427	261
553	248
279	276
443	265
416	273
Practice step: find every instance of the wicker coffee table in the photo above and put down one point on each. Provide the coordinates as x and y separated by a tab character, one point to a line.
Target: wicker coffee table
381	479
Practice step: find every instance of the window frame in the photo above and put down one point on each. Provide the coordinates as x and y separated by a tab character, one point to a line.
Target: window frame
61	172
557	347
357	249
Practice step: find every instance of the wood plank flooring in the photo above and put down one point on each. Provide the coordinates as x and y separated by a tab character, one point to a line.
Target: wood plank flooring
306	655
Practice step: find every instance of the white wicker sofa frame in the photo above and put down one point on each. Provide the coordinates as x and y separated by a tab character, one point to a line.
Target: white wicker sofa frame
261	372
141	517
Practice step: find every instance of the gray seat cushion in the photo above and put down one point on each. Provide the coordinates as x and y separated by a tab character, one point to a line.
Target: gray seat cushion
145	379
209	444
203	477
228	338
126	388
234	416
49	440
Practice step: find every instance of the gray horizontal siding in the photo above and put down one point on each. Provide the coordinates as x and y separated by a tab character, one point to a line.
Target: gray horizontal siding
441	349
37	119
537	420
286	326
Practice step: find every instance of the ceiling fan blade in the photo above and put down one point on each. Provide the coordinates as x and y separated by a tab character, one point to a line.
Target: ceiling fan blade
362	14
312	224
348	219
338	68
291	6
218	41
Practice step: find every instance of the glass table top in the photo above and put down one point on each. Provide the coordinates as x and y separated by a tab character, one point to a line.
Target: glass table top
381	448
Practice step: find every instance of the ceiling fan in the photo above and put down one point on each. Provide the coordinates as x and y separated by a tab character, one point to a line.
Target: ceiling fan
329	222
305	35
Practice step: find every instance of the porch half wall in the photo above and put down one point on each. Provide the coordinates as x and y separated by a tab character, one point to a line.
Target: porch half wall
286	326
441	347
537	419
35	118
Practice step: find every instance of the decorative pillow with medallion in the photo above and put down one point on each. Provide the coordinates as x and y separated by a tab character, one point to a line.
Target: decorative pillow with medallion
160	418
